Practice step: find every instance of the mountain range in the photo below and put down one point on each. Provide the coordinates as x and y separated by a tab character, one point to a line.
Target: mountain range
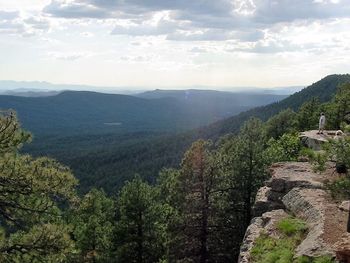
107	161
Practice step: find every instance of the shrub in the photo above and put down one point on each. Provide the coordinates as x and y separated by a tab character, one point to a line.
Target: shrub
291	226
272	250
286	148
340	188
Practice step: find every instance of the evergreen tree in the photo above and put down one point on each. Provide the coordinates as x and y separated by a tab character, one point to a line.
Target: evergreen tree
308	115
199	229
197	180
286	148
245	169
283	122
31	190
93	221
140	230
339	107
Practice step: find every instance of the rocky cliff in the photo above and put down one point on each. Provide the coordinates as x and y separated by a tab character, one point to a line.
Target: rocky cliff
294	189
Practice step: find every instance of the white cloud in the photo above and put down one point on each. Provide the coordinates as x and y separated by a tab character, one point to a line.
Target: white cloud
199	41
68	56
86	34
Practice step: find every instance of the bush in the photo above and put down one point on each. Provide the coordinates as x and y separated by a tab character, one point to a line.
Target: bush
340	188
286	148
282	250
270	250
291	226
317	159
339	150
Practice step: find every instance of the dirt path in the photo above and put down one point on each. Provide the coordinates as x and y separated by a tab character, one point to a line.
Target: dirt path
335	224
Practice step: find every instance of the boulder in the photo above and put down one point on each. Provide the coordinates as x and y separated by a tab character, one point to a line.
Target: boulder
313	140
342	249
344	206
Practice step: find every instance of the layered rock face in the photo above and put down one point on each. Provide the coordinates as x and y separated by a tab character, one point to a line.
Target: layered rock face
295	189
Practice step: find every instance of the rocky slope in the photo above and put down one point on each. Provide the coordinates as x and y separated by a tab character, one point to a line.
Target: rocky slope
294	189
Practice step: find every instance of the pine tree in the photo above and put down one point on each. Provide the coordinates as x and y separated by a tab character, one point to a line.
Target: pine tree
339	107
283	122
140	230
31	191
245	169
308	115
94	221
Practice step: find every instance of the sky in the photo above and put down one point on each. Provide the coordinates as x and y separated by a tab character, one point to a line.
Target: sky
174	43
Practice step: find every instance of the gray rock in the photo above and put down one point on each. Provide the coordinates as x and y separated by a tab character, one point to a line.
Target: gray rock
294	187
344	206
309	204
313	140
264	224
286	176
342	248
267	200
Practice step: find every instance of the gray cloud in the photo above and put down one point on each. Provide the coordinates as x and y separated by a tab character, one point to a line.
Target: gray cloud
270	12
11	27
200	20
76	9
198	50
14	24
205	35
8	15
162	27
38	23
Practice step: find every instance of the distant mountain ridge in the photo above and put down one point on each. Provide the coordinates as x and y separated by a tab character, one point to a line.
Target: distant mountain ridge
86	112
43	88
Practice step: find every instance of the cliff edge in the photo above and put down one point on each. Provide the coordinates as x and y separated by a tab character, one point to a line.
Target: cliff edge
294	189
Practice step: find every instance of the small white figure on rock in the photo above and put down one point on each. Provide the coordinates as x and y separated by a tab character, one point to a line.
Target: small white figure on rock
321	123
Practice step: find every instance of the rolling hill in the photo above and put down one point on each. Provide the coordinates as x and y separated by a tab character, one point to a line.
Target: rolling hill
81	112
107	161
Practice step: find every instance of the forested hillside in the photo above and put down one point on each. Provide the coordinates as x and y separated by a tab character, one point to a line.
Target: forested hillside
323	90
107	161
78	112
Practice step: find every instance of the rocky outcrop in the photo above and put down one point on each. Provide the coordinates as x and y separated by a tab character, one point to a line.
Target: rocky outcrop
313	140
342	248
295	189
284	177
267	223
309	205
345	206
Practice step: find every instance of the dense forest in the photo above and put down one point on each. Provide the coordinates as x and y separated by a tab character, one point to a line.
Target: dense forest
91	113
197	212
107	161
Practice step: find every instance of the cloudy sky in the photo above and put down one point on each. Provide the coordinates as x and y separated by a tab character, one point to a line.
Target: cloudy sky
174	43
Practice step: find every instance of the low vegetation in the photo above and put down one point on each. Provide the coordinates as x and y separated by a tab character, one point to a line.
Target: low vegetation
340	188
291	232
